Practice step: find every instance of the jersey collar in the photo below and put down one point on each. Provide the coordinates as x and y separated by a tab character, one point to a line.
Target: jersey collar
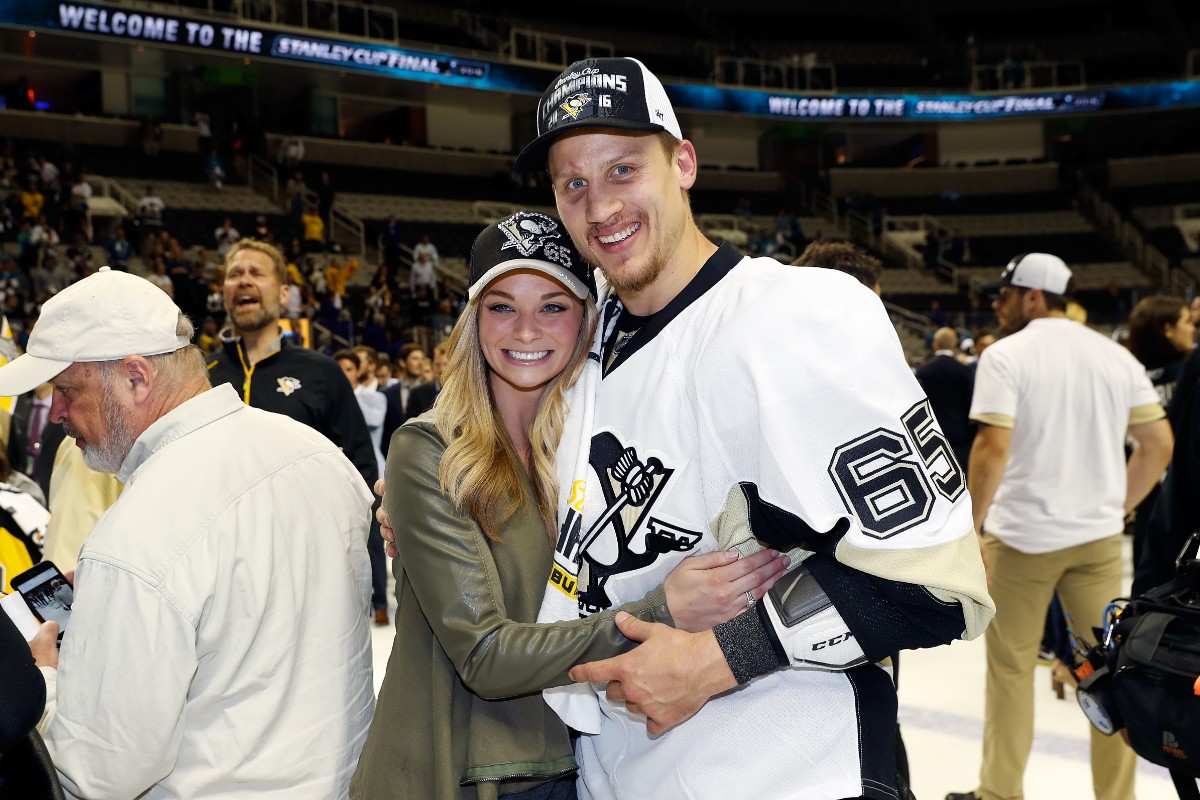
715	268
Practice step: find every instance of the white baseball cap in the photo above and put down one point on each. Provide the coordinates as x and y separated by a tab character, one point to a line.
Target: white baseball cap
1035	271
104	317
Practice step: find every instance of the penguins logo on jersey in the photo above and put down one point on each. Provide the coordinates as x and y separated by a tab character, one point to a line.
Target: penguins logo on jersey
575	103
528	231
626	537
287	385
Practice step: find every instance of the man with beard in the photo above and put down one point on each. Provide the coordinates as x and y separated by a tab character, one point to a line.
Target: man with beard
1054	401
273	373
221	597
736	399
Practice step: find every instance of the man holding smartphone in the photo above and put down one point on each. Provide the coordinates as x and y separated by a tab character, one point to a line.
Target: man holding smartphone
218	626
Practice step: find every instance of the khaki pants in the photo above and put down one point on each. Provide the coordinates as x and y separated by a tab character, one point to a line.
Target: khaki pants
1088	577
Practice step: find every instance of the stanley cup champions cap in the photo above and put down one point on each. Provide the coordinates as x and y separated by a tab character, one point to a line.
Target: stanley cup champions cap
529	240
599	93
104	317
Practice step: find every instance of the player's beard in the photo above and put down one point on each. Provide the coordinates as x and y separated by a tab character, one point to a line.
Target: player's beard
108	454
632	277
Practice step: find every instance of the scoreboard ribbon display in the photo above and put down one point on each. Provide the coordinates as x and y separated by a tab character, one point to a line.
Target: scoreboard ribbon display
143	26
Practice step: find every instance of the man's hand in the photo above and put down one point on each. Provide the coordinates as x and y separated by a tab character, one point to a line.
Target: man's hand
44	645
385	523
667	679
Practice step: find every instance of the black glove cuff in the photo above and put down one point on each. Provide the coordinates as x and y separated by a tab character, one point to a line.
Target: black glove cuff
747	647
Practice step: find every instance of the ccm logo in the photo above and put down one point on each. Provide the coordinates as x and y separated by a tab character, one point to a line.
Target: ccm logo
845	637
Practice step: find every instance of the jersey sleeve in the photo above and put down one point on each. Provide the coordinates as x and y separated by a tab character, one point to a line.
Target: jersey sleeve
818	438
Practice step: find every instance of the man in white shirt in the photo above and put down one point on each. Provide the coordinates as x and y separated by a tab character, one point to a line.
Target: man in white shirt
217	645
423	272
428	248
1051	489
226	237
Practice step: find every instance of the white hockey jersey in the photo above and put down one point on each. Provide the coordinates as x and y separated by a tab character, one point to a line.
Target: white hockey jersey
766	396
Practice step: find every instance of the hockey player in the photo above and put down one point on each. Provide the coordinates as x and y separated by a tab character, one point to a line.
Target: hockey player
738	401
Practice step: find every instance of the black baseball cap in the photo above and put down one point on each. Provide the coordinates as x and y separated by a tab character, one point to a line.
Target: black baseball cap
529	240
599	93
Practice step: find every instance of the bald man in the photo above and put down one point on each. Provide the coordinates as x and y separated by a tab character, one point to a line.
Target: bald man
949	384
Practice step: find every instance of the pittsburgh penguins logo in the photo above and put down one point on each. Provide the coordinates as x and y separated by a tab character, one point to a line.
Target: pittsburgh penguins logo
287	385
626	537
574	104
528	231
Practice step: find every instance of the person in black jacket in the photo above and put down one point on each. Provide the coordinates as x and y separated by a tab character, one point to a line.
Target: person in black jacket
421	398
1176	512
25	769
949	384
272	373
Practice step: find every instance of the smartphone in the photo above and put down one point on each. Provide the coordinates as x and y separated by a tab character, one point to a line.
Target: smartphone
47	593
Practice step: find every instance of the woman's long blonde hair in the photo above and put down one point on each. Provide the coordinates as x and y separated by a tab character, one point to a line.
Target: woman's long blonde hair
480	471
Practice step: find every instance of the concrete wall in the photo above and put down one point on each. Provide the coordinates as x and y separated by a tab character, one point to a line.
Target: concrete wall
903	182
992	140
1154	169
722	141
464	118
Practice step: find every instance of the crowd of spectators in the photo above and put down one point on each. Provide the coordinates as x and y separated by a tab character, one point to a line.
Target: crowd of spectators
49	249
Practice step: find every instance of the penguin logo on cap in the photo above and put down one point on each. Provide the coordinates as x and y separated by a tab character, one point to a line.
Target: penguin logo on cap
528	232
574	104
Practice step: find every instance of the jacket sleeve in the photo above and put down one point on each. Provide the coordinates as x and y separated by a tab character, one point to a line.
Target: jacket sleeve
448	562
836	453
393	418
23	691
123	678
347	426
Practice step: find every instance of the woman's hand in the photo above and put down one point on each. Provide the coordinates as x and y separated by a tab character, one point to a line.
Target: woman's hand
385	523
704	591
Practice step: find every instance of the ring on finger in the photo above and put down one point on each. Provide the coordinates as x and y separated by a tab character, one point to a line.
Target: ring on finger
750	601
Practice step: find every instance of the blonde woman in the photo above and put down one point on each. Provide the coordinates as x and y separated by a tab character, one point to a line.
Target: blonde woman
471	489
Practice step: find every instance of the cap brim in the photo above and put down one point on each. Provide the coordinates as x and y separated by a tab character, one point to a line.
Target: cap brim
533	158
573	284
28	372
994	287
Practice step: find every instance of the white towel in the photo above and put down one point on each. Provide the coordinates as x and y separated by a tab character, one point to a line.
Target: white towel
577	704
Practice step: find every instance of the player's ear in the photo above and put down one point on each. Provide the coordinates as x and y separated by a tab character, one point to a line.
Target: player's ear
689	166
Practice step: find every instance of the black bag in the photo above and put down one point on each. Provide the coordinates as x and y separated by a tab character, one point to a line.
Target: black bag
1155	669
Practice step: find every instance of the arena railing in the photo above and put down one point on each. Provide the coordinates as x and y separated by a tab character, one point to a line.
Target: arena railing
1017	75
1125	235
541	48
795	74
263	178
347	231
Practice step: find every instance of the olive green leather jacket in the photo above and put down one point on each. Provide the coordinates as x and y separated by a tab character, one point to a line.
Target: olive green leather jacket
460	714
